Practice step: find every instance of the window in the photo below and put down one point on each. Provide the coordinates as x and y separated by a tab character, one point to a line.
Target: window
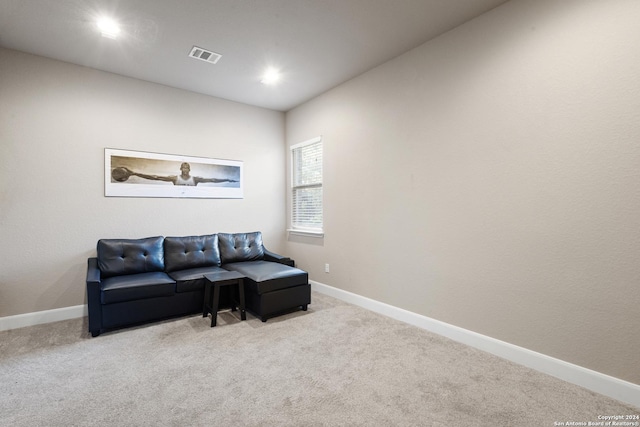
306	186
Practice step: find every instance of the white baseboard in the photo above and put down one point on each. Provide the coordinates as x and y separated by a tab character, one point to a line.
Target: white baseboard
40	317
615	388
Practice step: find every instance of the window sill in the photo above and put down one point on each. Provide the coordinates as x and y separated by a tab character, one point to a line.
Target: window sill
306	232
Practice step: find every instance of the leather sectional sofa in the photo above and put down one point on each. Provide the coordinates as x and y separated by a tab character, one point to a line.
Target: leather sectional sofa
134	281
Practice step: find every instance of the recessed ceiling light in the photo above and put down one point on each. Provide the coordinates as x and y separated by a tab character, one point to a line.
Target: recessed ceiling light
271	76
108	27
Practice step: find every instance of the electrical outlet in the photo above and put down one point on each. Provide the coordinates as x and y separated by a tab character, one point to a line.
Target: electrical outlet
326	268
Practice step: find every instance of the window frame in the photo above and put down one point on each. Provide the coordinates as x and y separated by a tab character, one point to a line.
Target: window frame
297	229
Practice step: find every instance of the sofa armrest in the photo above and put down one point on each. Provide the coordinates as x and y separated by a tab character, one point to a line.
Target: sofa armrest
93	272
274	257
94	302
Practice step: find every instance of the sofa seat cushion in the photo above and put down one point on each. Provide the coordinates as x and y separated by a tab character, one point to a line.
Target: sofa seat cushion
192	279
265	276
136	286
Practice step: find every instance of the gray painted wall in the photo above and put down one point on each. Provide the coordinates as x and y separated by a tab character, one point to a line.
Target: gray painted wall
56	119
489	179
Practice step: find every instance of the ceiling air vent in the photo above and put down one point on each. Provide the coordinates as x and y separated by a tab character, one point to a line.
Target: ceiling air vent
204	55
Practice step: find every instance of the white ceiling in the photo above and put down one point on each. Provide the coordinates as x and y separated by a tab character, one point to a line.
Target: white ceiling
317	44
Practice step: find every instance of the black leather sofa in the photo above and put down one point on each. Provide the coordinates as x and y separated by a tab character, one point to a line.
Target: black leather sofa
133	281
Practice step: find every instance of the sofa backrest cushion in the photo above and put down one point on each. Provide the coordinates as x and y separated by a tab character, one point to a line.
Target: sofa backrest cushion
238	247
117	257
181	253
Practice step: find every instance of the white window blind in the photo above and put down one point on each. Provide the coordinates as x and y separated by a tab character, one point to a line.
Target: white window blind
306	185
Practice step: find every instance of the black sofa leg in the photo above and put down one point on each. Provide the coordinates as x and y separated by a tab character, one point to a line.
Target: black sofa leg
304	307
95	333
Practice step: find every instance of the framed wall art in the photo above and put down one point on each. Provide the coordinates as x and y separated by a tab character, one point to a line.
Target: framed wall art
142	174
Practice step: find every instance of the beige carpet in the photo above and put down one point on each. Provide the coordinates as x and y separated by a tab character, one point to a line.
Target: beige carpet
334	365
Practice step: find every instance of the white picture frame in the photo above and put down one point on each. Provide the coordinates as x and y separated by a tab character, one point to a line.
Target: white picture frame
142	174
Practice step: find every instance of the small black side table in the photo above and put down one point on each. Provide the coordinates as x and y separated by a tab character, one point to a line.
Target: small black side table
215	281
